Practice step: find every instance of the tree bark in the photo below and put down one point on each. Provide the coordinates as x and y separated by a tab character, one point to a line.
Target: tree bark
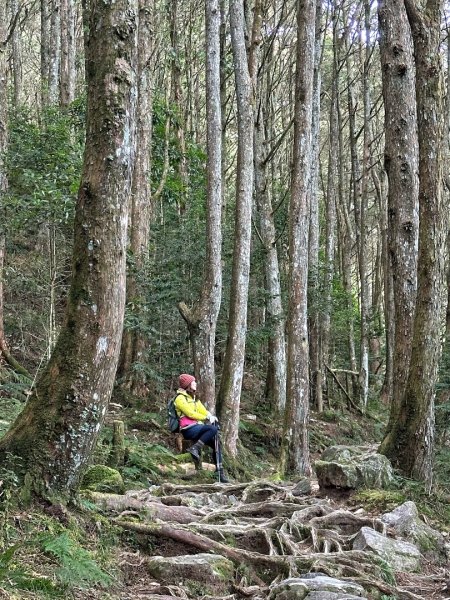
3	149
316	366
275	392
388	304
54	52
330	209
295	445
67	61
233	370
414	431
57	430
363	225
16	49
44	48
401	164
134	342
202	319
177	99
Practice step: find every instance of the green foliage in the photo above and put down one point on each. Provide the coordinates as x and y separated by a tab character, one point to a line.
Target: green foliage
379	500
43	166
14	576
434	505
14	386
174	269
77	565
144	461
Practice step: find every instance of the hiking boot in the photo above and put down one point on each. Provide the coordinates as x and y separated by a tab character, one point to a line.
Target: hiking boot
221	477
195	451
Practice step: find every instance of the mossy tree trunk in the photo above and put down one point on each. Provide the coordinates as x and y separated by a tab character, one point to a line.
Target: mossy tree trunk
410	438
401	164
57	430
412	444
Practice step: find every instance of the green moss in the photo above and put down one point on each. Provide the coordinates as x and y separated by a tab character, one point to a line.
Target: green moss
379	500
100	478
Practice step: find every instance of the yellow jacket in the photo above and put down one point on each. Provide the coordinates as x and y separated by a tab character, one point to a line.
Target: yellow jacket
188	406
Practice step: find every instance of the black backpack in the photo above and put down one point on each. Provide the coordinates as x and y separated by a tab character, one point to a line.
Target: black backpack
173	420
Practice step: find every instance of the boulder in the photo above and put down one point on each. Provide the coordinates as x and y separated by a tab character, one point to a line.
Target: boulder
316	586
199	573
100	478
353	467
302	487
406	523
400	555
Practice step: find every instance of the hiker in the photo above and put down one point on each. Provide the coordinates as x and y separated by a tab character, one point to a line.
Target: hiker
197	423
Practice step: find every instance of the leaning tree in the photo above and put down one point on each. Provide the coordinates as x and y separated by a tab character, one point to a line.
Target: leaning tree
53	437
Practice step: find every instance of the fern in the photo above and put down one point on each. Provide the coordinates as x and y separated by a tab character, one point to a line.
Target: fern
17	577
77	566
15	386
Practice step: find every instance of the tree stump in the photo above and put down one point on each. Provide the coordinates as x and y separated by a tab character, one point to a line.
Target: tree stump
117	454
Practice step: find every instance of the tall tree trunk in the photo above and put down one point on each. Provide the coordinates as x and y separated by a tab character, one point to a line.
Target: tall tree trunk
295	447
67	60
16	52
45	49
347	237
316	368
56	431
202	319
134	341
363	225
54	57
52	333
275	392
414	431
176	98
401	164
388	304
233	369
3	149
330	208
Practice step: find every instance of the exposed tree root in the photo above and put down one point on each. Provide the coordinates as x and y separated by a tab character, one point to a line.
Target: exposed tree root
154	508
269	531
206	544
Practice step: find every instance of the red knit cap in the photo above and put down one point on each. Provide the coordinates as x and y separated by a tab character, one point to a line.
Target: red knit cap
185	380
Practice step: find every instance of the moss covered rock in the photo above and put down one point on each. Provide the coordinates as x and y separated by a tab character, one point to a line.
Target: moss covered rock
199	573
317	586
100	478
405	522
353	467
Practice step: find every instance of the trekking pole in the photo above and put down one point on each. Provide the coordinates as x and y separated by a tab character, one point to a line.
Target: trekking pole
216	448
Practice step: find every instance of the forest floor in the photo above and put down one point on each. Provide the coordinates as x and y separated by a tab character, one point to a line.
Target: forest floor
102	547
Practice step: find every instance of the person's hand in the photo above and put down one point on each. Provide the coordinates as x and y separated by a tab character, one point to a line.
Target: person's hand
213	419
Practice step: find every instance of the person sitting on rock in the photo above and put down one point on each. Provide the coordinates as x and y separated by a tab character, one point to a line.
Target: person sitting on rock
197	423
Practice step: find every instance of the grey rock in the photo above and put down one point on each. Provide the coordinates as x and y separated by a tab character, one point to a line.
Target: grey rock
400	555
199	573
405	522
353	468
320	587
302	487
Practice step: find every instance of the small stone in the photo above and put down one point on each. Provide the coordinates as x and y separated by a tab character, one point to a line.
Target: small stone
302	488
